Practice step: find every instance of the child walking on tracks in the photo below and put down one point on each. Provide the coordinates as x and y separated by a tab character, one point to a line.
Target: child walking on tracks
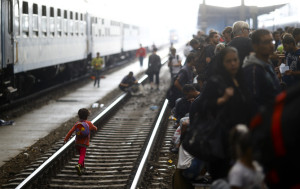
82	129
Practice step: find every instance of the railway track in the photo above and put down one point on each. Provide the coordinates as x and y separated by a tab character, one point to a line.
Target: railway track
115	153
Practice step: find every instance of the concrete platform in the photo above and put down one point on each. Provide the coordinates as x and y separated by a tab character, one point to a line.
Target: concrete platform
36	124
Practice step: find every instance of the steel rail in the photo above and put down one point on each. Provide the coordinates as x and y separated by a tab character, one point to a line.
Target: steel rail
149	147
65	147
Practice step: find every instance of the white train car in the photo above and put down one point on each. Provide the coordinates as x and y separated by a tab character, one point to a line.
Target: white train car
46	40
48	33
106	36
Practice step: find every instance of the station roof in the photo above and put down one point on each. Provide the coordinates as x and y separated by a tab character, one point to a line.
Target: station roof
215	11
227	15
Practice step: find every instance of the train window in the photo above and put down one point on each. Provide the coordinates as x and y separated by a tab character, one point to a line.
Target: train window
44	20
58	22
51	20
76	25
35	9
17	20
35	19
71	23
65	22
25	19
58	13
44	10
82	25
51	12
10	17
25	7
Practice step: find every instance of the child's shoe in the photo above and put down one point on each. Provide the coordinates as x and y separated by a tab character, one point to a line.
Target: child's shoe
78	169
83	170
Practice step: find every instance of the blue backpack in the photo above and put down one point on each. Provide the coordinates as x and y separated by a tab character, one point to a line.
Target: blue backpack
82	129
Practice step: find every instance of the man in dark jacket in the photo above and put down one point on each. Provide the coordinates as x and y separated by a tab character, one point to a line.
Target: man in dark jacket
241	40
260	76
185	76
154	65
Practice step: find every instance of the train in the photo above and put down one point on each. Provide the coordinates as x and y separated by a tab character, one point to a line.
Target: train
46	40
288	15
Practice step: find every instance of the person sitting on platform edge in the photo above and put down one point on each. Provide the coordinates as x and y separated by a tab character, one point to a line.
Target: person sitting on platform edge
81	142
127	82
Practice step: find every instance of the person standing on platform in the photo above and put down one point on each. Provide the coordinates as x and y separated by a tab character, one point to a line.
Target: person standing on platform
141	54
260	77
97	64
154	65
292	60
174	63
241	40
82	141
227	34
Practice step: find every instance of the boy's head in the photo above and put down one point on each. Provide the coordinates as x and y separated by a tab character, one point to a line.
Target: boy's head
189	91
289	43
240	140
83	113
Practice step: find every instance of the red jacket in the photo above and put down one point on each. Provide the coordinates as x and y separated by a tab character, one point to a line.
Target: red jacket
81	141
141	52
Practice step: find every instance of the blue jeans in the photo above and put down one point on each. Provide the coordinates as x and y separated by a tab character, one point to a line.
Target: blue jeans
194	170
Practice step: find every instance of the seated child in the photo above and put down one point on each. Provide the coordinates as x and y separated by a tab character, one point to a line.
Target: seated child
245	173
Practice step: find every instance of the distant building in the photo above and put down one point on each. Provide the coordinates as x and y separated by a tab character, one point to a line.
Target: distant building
214	17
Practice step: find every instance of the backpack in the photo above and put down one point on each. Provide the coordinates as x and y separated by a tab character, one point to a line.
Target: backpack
173	93
170	60
82	129
275	138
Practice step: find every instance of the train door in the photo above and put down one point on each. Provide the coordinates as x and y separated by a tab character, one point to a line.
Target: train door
7	40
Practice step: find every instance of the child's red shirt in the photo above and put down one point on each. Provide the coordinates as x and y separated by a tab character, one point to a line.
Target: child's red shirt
81	141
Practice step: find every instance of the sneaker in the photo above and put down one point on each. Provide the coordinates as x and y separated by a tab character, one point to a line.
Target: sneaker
78	169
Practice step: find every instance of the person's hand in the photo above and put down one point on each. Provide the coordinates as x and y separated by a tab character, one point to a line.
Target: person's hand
228	93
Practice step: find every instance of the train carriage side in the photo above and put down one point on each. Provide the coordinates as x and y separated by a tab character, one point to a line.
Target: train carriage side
131	37
7	89
48	35
49	41
106	38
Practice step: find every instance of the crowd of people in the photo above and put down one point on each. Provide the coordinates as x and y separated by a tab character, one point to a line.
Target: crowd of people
232	77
